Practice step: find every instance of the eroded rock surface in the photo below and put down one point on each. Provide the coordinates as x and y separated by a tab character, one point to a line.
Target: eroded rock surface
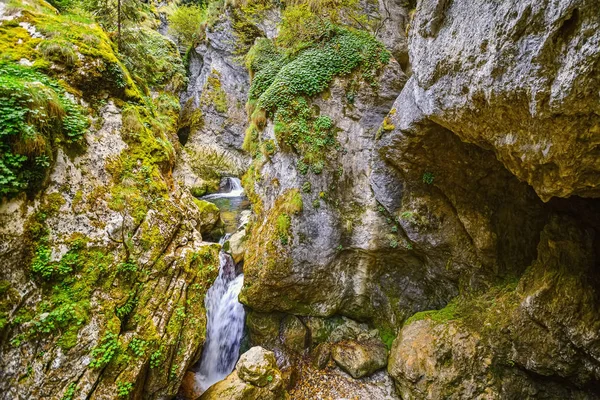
538	337
520	79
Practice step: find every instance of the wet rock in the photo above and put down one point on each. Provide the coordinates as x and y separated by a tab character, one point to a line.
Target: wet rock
360	358
237	245
190	389
294	334
263	328
321	355
255	377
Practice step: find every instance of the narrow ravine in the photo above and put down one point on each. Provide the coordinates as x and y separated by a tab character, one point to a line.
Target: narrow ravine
225	315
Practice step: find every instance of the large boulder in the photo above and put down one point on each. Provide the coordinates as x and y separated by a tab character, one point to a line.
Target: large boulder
256	377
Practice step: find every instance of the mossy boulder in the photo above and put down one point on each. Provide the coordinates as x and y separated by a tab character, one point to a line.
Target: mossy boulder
294	334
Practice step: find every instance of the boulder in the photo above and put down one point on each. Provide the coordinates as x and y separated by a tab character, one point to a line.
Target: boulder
256	377
321	355
190	388
536	339
257	366
237	245
360	358
294	334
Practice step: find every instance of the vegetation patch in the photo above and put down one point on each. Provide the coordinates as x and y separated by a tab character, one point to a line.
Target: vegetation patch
284	81
35	117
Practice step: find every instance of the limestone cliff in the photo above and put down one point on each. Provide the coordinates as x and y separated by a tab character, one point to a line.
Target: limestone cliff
103	264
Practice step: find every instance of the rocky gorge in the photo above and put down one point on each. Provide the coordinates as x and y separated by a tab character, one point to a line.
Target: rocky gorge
423	178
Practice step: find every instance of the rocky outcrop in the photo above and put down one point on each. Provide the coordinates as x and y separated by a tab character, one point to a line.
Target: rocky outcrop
520	79
540	337
255	377
338	209
104	266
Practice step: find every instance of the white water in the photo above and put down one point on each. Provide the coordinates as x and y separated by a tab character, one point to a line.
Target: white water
225	315
236	190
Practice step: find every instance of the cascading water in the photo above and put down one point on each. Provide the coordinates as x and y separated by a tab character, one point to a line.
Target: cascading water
225	315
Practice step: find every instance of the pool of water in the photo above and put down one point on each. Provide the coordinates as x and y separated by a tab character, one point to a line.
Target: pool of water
231	208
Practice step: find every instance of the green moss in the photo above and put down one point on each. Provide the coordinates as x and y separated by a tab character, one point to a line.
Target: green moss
206	207
271	240
213	94
387	336
447	313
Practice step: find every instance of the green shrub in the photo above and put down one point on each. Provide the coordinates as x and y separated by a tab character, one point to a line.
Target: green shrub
428	178
185	24
124	389
153	59
59	51
282	85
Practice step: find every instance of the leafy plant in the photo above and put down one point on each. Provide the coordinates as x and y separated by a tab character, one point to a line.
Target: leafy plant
428	178
70	392
35	116
124	389
138	346
156	358
104	353
185	24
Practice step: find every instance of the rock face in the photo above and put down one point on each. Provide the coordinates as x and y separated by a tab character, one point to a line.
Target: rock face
338	211
539	338
520	79
104	269
213	117
255	377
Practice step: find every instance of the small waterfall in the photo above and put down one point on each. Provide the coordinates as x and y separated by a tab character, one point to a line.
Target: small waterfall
225	315
234	187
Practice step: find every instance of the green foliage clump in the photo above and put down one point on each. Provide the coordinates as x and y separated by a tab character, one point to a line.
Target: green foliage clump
297	127
138	346
185	23
35	116
313	69
42	266
104	353
125	310
283	226
124	389
70	392
306	187
153	59
428	178
283	83
448	313
213	94
156	358
127	266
